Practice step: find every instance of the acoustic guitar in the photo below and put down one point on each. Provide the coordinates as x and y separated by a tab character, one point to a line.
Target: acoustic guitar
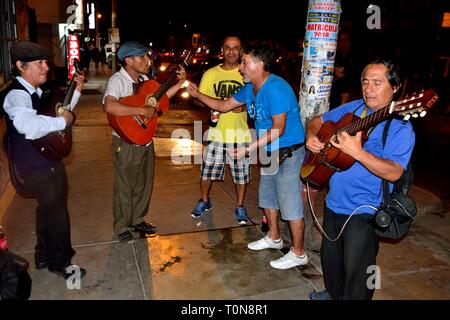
138	129
56	144
317	168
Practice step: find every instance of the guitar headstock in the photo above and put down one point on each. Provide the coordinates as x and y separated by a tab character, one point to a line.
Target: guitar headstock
187	57
414	105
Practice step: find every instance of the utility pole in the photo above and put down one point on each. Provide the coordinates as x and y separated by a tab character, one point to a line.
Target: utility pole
113	40
319	52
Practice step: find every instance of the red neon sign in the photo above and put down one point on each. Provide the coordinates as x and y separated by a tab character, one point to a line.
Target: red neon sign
73	52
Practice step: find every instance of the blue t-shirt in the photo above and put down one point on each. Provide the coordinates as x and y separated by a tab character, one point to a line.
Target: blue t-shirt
357	186
274	97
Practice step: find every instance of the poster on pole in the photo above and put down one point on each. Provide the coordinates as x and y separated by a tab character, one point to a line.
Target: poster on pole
114	35
322	26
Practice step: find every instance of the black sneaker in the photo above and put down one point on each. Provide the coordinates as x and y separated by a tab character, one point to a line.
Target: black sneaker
146	229
40	263
126	237
69	271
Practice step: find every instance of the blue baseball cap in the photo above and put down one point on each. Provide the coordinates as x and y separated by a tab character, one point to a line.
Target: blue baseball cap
131	49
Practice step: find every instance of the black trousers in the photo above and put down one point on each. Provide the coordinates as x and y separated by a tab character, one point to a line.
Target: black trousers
52	216
345	262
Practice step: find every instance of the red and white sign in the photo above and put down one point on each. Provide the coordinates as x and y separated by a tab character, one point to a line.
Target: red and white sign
73	52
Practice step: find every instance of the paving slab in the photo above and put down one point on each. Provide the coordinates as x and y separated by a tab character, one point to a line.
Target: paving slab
111	275
171	206
215	265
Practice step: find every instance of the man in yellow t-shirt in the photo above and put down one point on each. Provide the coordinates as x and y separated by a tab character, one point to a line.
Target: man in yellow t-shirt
230	132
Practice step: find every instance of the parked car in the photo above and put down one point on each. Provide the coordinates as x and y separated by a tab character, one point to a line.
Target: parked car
164	61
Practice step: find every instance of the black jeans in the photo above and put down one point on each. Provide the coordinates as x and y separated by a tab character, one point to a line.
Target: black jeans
345	262
52	216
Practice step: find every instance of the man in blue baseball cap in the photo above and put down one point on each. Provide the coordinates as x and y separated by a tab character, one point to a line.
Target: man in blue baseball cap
133	164
131	49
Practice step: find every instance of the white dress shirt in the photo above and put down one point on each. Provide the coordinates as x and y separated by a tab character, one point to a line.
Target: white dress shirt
19	107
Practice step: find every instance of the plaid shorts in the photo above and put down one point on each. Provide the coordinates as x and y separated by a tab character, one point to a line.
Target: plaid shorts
216	156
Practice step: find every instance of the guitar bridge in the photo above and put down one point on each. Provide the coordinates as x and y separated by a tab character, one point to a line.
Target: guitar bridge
329	166
325	163
140	121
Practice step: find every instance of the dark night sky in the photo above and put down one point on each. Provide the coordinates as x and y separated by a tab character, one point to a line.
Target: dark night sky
150	20
407	21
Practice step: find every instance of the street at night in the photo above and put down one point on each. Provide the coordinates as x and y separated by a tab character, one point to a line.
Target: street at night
208	258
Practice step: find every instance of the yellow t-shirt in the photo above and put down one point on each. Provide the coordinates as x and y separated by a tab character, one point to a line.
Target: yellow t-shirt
232	126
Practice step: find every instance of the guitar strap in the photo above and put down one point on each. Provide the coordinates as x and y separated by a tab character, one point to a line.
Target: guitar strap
136	85
363	115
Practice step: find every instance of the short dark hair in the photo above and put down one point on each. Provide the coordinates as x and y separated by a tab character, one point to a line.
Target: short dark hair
15	71
393	75
230	35
261	52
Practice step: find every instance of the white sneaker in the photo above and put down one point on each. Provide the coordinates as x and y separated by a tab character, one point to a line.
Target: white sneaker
289	260
265	243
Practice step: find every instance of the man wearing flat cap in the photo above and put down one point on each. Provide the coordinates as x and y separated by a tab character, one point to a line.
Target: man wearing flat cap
133	178
45	179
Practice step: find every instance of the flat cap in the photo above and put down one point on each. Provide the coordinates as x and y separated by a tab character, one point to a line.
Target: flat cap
27	51
131	49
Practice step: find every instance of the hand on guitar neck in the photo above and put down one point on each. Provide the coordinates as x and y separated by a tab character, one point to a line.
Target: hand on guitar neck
65	112
79	79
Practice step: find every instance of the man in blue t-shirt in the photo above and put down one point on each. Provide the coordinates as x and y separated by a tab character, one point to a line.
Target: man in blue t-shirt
348	261
271	102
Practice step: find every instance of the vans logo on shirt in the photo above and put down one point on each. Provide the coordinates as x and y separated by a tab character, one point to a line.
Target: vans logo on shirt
225	88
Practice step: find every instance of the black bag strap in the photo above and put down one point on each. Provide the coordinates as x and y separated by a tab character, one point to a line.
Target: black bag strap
385	185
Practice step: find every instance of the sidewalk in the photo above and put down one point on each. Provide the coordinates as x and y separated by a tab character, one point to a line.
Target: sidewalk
206	258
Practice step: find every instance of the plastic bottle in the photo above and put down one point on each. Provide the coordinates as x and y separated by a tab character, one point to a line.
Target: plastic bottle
264	225
214	118
3	239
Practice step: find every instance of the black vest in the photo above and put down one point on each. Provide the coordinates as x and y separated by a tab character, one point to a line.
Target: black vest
23	153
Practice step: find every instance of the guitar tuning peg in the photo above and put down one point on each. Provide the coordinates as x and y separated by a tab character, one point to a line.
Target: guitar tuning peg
406	118
423	113
415	115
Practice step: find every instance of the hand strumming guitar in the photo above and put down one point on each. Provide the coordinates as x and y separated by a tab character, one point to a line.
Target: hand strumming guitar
68	116
312	141
348	144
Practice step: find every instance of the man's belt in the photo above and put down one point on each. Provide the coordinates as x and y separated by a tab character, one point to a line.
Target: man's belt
294	146
283	154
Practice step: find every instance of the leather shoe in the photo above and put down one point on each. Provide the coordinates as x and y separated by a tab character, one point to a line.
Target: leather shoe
126	237
40	264
145	228
69	271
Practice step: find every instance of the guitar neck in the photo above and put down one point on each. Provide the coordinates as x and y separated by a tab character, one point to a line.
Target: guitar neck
166	86
365	123
69	93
